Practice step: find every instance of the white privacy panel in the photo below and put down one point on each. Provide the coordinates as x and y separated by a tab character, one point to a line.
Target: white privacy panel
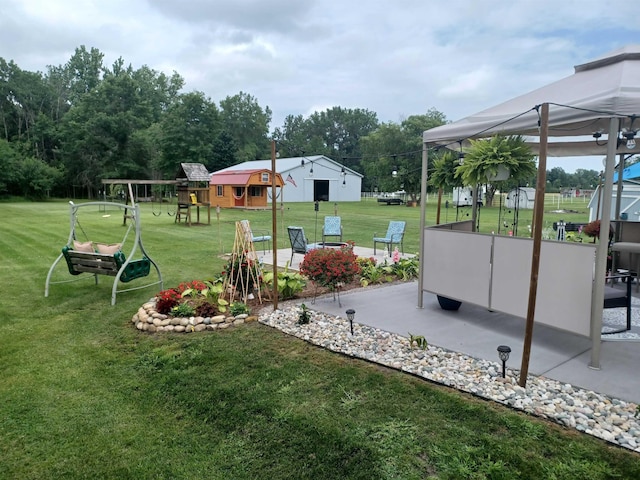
565	282
457	265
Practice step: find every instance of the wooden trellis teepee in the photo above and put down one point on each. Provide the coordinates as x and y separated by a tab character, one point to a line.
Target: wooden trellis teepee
244	270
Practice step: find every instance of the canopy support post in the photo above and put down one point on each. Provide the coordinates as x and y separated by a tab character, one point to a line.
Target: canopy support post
423	210
274	224
597	299
538	211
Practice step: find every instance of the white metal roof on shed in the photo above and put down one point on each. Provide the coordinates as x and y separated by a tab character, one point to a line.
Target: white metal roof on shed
283	165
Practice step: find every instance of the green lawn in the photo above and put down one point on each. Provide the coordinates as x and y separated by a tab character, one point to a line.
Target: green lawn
85	395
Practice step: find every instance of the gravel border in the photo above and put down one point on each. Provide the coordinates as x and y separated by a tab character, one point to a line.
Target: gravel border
613	420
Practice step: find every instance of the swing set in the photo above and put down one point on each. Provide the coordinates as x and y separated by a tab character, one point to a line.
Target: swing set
105	259
163	194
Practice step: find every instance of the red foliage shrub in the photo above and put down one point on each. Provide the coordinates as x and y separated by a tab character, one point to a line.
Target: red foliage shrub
197	285
166	300
328	267
592	229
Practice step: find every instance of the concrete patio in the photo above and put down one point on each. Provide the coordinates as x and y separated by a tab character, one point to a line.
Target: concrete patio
477	332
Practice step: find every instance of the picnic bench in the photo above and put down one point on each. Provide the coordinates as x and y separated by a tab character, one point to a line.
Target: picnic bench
570	227
390	200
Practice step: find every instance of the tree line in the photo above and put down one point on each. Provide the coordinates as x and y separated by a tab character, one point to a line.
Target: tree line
63	130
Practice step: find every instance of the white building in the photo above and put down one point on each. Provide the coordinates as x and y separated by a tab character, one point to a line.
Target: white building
463	197
629	202
522	197
311	178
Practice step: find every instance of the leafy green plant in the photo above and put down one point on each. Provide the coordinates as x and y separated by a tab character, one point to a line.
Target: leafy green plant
290	283
183	310
304	316
574	237
400	268
211	293
238	308
369	271
406	268
417	340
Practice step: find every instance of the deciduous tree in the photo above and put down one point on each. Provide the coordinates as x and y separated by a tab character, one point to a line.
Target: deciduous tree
398	148
189	130
248	124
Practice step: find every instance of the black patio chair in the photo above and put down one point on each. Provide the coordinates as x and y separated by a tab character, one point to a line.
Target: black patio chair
299	242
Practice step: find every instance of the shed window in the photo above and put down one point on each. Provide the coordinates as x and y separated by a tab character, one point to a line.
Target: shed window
220	190
265	178
256	191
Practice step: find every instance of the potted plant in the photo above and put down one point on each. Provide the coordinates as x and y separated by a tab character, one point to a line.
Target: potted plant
447	303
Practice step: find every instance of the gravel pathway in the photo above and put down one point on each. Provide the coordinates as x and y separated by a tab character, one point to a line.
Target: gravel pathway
610	419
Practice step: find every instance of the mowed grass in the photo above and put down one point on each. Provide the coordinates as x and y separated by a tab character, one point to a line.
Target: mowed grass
85	395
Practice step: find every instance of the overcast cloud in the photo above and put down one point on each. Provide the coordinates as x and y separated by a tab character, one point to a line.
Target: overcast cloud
395	58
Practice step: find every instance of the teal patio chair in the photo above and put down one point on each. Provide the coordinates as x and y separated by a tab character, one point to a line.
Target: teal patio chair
394	236
299	242
332	228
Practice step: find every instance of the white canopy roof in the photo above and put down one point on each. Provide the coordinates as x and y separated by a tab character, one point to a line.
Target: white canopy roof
580	105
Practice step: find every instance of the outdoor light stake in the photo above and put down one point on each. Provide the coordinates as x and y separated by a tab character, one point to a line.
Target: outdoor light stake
503	353
350	314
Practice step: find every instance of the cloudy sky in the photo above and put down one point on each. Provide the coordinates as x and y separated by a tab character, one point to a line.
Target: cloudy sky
395	58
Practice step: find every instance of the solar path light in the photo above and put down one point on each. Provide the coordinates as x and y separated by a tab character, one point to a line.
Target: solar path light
350	314
503	353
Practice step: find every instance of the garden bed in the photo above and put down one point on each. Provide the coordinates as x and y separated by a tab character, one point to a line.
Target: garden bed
148	319
198	306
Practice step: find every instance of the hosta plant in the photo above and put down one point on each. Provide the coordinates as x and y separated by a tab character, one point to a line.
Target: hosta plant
370	272
290	283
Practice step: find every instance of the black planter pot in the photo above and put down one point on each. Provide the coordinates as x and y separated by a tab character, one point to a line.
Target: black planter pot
448	303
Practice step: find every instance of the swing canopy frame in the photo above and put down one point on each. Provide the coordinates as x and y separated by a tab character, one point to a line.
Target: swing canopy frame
124	268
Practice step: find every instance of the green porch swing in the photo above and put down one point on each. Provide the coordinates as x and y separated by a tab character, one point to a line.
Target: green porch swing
100	259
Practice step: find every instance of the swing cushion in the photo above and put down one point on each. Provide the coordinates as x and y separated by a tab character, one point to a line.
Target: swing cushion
108	249
86	247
